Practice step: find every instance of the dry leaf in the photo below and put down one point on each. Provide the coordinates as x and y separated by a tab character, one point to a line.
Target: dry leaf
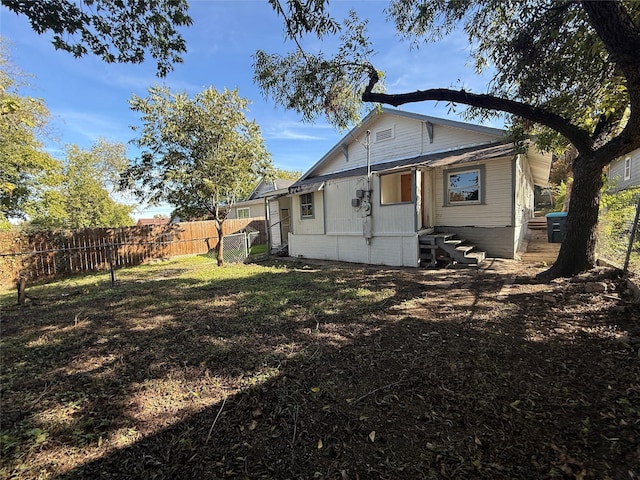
319	443
372	436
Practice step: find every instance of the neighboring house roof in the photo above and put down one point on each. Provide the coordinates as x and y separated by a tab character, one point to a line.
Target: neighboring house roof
153	221
266	186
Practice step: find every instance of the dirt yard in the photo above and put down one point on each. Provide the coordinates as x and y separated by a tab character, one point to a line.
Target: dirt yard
325	371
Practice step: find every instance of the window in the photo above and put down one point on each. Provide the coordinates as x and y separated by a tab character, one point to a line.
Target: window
306	205
243	212
627	168
464	186
396	188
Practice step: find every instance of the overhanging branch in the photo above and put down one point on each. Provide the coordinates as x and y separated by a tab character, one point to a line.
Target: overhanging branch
578	137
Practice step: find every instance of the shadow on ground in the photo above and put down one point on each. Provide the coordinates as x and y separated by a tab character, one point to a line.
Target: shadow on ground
328	371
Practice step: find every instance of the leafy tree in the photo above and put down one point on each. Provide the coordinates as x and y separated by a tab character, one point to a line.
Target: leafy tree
116	31
25	165
80	198
287	174
199	154
566	71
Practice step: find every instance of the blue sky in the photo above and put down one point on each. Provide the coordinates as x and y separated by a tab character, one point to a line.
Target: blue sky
88	98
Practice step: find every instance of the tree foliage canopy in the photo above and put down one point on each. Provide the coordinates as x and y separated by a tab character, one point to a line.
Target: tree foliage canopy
562	65
79	195
25	165
566	71
116	31
198	154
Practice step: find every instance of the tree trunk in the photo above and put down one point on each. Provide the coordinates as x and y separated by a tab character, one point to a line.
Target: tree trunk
219	246
577	252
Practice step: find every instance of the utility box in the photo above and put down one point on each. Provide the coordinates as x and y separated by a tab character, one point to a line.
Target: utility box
556	226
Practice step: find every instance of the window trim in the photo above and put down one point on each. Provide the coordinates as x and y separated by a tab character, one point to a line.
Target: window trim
456	171
400	174
627	168
311	203
243	209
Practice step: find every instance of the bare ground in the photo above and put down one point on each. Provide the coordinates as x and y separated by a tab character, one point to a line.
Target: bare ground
323	370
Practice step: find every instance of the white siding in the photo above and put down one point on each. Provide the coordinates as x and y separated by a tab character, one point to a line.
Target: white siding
341	217
392	250
410	139
616	171
497	209
256	208
313	225
391	219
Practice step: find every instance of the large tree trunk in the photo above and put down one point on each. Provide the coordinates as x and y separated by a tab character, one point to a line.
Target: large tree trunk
577	252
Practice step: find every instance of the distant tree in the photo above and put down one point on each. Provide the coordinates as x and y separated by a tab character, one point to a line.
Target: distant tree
24	165
199	154
568	71
80	197
122	31
287	174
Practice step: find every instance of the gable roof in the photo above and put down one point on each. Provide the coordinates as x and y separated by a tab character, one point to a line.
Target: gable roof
266	186
375	115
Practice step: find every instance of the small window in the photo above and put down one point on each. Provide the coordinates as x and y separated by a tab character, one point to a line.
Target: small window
463	187
244	212
306	205
396	188
627	168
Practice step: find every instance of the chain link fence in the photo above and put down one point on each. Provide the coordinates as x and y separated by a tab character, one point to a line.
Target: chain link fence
236	248
618	240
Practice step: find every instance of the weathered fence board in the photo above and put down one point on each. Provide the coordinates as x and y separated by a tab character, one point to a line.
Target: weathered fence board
58	253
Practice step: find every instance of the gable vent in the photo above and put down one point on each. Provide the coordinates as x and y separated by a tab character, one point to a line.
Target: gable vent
382	135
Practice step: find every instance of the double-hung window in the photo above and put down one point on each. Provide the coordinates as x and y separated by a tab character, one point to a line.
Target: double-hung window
464	187
306	205
627	168
243	212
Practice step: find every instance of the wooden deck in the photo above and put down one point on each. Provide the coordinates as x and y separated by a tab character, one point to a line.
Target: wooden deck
539	250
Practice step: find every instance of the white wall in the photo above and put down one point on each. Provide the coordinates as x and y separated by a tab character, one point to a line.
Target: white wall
410	139
497	210
313	225
389	250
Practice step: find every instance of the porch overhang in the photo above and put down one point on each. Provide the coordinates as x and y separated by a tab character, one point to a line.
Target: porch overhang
301	188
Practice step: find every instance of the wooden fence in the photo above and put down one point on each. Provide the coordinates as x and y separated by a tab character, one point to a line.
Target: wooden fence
50	254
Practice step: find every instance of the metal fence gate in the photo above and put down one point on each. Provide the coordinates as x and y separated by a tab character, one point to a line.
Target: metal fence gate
237	247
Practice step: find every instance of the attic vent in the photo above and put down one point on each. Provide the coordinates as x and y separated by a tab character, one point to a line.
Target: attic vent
382	135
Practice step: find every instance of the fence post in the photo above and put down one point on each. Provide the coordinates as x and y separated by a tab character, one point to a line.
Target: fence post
634	229
111	270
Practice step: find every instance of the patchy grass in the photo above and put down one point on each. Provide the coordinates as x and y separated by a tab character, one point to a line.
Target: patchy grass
188	370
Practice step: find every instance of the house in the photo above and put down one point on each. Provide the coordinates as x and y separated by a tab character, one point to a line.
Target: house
254	205
625	171
404	189
152	221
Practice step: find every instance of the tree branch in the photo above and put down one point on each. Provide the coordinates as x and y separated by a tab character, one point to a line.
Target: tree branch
621	38
577	136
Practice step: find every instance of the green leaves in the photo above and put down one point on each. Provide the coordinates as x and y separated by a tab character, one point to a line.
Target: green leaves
198	153
121	31
25	166
319	84
78	194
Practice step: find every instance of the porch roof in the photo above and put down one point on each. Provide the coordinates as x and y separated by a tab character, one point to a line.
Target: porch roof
441	159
